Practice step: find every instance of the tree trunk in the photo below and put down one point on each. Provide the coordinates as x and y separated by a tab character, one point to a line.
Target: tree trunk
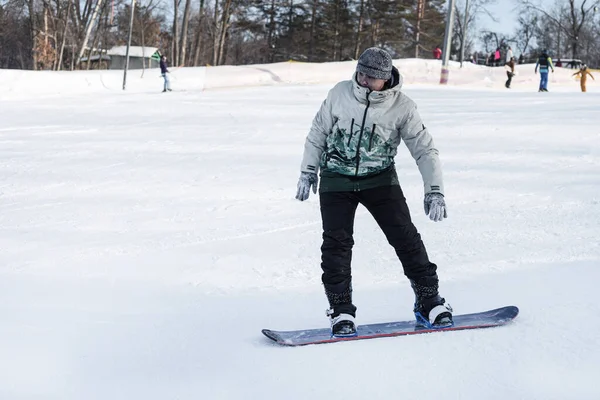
143	47
199	34
45	55
313	24
55	36
34	58
270	44
175	45
574	32
336	32
420	15
375	32
91	50
216	34
88	31
361	19
291	29
64	38
184	31
224	26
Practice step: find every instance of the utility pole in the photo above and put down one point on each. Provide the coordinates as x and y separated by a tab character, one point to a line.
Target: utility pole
464	34
447	43
128	45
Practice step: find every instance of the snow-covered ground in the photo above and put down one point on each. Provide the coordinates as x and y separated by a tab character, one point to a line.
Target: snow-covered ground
147	238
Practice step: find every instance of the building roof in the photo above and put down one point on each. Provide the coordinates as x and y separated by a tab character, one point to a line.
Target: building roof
96	58
134	51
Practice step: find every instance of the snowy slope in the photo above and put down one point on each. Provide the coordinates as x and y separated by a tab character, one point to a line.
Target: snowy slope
22	84
146	238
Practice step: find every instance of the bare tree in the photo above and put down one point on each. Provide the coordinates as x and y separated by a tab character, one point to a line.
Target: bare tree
175	44
578	15
199	34
359	29
33	31
88	30
184	31
528	25
216	30
313	29
64	35
465	20
224	25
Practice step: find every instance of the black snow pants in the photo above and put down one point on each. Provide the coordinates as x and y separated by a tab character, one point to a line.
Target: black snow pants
509	80
388	206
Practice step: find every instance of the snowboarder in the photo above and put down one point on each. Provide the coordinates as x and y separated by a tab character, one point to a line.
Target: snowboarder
164	72
583	73
510	71
544	62
353	141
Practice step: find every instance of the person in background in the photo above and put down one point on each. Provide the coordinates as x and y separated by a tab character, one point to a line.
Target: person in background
437	53
583	73
510	71
544	63
164	72
559	63
509	55
521	59
497	57
352	143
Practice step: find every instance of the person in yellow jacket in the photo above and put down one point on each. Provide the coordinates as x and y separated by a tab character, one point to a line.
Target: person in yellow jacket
583	73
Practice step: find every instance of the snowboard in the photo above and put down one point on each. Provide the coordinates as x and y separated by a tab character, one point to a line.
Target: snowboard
485	319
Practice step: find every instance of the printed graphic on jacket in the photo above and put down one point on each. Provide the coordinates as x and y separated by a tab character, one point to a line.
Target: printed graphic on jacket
352	152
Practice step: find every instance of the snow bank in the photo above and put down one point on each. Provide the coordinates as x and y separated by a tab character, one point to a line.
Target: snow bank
415	71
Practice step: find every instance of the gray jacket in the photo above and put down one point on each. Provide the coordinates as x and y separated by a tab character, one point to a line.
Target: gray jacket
357	132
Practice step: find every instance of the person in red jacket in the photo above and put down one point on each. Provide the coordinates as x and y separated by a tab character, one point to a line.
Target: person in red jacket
437	53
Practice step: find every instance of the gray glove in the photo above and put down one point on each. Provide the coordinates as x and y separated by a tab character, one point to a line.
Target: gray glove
435	206
307	179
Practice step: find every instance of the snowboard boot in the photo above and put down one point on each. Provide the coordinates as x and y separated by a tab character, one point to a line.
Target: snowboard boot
342	325
341	312
431	310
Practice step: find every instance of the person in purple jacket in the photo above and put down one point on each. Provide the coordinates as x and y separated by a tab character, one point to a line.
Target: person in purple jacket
164	71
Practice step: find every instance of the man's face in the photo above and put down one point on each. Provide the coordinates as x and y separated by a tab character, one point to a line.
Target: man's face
369	82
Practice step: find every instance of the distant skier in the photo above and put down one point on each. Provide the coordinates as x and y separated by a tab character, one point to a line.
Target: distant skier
510	71
353	141
164	71
544	63
583	73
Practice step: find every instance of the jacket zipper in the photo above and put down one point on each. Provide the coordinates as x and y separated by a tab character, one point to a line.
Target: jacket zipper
362	127
371	138
351	127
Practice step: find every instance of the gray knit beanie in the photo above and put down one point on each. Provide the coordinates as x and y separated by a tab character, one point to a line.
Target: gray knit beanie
376	63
